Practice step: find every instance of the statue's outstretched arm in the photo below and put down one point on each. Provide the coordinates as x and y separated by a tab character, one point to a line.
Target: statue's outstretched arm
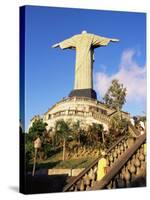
55	45
102	41
66	44
114	40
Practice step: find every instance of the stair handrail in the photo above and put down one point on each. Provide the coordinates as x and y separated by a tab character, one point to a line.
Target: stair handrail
119	164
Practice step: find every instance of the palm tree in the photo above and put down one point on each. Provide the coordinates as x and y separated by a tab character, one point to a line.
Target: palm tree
63	132
76	130
100	129
90	136
98	133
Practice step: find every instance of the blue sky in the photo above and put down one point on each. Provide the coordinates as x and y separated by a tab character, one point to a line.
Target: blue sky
50	72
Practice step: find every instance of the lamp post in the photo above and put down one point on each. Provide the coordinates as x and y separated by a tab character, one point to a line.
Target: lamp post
37	145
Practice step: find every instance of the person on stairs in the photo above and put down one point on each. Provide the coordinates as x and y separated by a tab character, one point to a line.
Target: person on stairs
102	166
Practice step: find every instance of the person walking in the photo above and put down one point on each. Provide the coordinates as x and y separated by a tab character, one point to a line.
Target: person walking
102	166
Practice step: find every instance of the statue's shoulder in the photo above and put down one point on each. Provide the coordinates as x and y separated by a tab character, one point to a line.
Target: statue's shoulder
76	36
90	34
85	34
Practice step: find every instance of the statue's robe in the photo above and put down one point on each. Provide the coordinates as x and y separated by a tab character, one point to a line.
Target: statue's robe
84	45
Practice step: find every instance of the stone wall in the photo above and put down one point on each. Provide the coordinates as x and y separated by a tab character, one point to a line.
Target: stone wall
82	109
69	172
75	109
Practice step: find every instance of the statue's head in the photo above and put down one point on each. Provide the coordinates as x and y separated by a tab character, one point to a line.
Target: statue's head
83	32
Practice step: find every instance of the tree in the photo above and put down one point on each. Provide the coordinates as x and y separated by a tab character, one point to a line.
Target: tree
94	135
75	142
100	131
98	135
118	125
63	131
115	95
38	129
76	130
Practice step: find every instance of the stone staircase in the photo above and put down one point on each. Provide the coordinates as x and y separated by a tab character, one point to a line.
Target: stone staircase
127	167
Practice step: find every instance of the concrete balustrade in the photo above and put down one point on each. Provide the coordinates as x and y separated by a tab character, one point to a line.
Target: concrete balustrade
131	171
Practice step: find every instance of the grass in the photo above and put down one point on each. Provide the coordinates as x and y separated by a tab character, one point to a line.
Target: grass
55	162
75	163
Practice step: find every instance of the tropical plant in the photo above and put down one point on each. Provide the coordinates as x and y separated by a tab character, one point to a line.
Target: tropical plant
76	130
63	132
83	137
99	129
94	136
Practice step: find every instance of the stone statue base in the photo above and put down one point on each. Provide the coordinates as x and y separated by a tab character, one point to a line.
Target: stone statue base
90	93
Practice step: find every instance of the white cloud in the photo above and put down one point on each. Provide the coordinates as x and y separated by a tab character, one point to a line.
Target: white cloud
130	73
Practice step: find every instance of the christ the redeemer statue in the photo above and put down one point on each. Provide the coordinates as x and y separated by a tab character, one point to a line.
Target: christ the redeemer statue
84	44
